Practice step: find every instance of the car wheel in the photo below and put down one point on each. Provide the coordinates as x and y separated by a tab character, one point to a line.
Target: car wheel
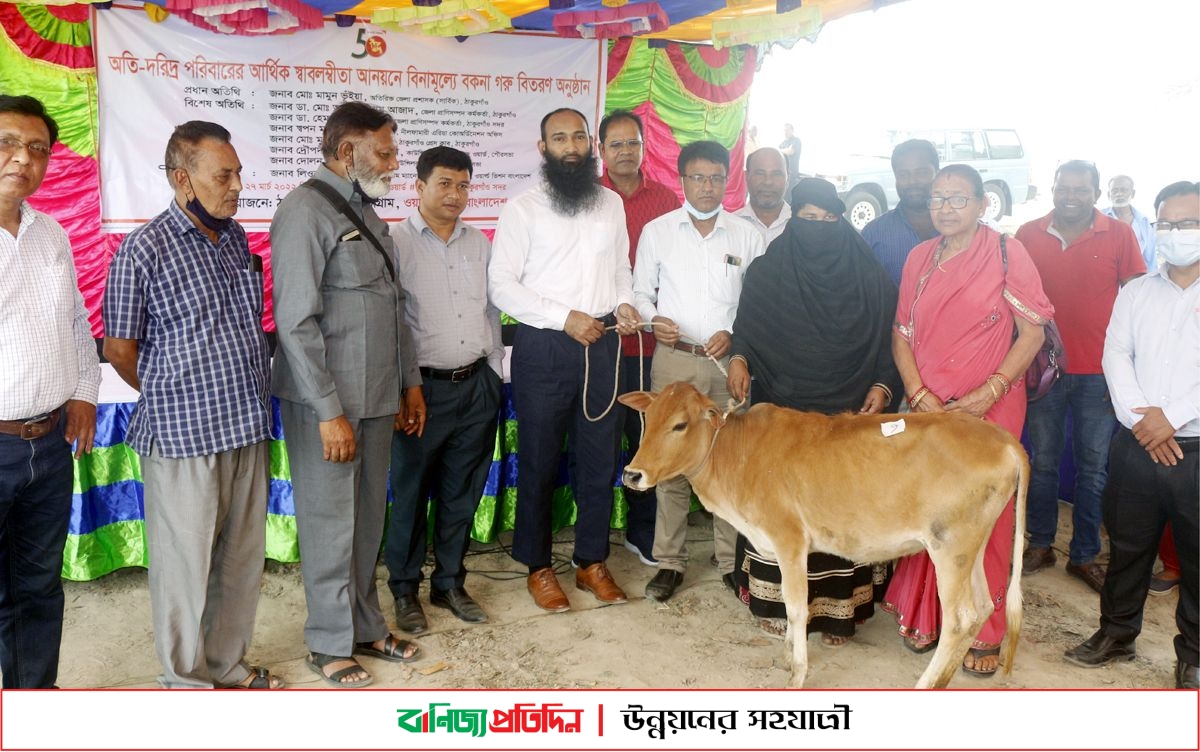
861	209
997	201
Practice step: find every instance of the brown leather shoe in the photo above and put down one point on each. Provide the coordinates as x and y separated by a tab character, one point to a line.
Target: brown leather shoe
597	581
547	594
1091	573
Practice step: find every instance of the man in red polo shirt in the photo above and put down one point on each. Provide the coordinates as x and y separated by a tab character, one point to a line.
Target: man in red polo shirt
621	147
1083	257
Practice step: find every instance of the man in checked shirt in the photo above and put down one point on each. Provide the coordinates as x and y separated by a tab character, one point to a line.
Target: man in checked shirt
182	317
49	379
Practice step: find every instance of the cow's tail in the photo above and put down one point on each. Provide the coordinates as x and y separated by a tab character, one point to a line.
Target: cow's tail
1013	608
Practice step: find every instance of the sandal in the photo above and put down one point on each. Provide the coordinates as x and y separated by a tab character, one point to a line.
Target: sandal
318	661
834	641
978	653
393	650
775	628
915	647
260	678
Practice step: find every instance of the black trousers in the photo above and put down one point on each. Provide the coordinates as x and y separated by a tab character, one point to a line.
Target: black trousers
450	462
547	389
1140	498
643	505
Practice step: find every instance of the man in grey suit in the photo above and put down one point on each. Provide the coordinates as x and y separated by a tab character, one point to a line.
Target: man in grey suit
345	373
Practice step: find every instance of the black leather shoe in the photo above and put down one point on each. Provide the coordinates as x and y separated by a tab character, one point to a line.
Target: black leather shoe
460	604
1100	650
730	582
409	616
662	585
1187	676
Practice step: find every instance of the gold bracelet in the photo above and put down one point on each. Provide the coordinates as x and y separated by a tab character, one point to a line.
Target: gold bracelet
992	387
1003	381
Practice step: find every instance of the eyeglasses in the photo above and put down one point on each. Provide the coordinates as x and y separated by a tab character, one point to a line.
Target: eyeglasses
956	202
710	179
37	150
1183	224
632	143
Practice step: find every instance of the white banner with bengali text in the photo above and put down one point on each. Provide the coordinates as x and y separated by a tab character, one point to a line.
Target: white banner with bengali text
485	95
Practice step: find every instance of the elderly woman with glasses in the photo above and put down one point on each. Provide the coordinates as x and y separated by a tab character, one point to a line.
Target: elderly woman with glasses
814	328
961	294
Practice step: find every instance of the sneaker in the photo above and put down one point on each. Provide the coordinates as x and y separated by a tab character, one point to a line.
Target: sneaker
1160	585
643	556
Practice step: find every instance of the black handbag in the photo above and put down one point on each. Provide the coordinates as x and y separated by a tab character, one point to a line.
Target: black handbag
1051	360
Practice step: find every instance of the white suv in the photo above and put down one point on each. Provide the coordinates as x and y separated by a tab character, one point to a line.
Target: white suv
866	183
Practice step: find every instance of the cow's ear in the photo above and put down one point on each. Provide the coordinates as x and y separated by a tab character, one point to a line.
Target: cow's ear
713	416
639	401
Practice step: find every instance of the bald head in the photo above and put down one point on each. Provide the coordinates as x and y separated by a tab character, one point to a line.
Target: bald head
766	179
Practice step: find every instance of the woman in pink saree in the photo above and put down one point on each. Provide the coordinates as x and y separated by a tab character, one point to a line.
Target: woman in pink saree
953	344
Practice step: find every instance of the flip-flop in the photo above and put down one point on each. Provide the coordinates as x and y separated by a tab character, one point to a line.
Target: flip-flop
262	680
318	661
393	650
982	653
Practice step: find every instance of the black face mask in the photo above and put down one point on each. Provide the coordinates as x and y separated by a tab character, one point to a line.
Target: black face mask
199	212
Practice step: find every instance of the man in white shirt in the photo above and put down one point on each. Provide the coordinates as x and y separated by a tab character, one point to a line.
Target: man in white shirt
560	266
49	381
687	279
1149	363
766	180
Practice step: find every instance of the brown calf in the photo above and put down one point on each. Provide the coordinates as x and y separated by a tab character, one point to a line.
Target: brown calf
795	482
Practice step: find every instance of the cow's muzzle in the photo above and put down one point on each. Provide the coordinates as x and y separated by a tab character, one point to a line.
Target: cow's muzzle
635	479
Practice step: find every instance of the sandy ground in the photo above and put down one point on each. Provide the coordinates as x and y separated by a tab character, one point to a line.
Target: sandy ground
702	637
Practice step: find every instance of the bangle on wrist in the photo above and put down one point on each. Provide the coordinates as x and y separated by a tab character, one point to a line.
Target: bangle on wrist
884	388
919	395
992	388
1004	382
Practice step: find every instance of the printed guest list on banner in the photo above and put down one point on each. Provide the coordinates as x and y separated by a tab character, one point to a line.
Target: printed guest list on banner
485	95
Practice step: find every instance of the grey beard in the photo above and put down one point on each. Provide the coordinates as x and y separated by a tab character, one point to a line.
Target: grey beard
574	190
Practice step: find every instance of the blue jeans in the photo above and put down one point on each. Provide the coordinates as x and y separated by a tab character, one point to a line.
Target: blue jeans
1086	397
35	508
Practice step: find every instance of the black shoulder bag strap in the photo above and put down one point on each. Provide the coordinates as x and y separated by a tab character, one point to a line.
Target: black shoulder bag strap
1003	255
339	203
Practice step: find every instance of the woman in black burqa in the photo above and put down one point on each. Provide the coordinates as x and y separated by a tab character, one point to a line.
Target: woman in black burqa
813	328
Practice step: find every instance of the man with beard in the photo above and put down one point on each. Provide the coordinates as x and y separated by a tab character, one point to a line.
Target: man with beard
1121	193
1083	257
560	266
622	148
345	373
766	180
688	278
892	235
202	421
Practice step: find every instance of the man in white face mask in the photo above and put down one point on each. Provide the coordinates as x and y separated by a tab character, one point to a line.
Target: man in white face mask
1149	364
1121	193
688	278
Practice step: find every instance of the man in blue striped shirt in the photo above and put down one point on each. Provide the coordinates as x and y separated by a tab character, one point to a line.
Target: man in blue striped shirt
182	314
892	235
